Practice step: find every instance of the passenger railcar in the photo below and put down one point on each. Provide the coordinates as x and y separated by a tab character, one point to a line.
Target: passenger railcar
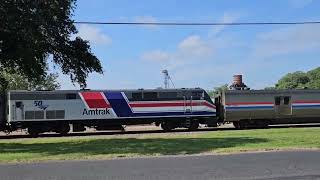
259	108
44	111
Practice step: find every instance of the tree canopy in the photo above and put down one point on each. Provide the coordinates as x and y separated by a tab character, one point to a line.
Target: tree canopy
300	80
217	90
16	81
32	30
314	76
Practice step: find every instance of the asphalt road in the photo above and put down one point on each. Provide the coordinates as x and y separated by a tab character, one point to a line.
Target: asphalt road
267	166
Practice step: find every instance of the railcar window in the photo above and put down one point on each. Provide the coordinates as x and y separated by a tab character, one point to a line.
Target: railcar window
137	96
286	100
277	101
44	96
71	96
150	96
168	95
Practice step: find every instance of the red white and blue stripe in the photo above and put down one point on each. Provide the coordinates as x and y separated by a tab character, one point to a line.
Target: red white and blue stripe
123	108
269	105
306	104
95	100
249	105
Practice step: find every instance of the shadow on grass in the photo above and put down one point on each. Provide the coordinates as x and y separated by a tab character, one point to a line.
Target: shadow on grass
95	133
127	146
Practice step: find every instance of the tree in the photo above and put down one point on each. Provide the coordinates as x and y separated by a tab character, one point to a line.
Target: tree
17	81
269	88
314	76
299	80
293	80
217	90
31	30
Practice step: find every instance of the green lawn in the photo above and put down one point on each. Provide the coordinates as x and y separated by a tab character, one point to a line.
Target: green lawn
103	147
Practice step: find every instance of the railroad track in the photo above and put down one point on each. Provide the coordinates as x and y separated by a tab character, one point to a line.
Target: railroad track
145	130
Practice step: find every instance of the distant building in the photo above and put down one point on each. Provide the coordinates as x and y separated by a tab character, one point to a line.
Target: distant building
238	83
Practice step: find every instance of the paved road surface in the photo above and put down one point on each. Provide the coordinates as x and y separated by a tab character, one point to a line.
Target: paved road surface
267	166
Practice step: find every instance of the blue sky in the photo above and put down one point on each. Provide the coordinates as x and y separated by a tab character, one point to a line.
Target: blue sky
133	56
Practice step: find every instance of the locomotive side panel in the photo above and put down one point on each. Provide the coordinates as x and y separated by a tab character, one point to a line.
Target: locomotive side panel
46	106
107	105
181	103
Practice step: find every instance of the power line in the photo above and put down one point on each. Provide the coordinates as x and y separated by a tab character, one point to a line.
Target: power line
198	24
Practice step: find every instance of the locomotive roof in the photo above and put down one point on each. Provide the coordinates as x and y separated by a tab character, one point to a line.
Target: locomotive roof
284	91
123	90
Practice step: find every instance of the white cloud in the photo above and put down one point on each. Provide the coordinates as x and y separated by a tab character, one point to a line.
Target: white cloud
227	17
299	3
156	55
93	34
196	59
196	46
290	40
189	50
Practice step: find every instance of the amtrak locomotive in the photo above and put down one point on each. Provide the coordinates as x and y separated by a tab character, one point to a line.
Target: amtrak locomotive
57	111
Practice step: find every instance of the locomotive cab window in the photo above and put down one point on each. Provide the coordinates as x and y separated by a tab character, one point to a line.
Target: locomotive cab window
208	98
196	95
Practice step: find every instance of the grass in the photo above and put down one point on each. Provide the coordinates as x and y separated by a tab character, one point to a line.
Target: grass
104	147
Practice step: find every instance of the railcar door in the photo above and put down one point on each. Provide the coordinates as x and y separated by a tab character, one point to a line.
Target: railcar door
283	106
19	111
187	98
